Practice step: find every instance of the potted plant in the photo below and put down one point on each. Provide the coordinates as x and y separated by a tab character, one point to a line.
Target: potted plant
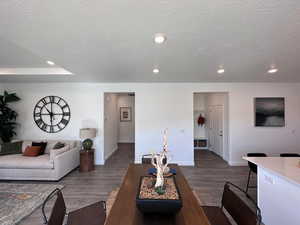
7	116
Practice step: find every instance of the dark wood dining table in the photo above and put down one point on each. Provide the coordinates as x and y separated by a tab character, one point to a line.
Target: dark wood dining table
125	212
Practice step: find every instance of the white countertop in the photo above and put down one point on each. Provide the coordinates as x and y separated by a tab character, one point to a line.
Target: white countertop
285	167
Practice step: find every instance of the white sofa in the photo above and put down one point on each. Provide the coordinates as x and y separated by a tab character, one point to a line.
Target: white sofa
52	165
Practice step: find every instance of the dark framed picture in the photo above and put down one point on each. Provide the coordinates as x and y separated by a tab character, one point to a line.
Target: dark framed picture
125	114
269	112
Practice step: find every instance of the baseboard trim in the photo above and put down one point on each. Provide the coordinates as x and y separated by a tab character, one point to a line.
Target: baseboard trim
126	142
99	163
112	152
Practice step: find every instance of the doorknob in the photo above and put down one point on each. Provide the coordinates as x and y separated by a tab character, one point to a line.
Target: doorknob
221	133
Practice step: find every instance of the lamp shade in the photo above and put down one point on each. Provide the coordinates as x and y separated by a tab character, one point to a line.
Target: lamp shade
86	133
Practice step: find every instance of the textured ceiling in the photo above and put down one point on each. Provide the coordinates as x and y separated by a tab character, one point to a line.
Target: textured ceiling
112	41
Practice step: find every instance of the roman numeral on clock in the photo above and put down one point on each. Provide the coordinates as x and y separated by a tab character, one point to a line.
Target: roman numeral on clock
66	113
37	114
44	127
39	122
44	101
51	129
64	121
52	99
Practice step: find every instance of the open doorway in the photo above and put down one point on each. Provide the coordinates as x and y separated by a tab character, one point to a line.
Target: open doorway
211	124
119	128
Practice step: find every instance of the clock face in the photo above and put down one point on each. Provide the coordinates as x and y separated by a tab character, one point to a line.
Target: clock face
52	114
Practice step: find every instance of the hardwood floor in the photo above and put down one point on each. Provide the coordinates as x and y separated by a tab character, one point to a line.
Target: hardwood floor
81	189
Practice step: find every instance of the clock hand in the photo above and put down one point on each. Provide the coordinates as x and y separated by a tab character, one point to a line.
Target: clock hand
48	110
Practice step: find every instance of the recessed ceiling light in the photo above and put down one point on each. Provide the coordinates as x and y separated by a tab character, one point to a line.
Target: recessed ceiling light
51	63
220	71
272	70
159	38
155	71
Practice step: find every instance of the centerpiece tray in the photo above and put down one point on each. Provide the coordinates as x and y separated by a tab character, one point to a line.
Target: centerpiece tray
149	201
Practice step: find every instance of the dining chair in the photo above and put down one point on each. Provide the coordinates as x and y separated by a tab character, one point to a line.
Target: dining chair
253	167
289	155
235	206
146	159
94	214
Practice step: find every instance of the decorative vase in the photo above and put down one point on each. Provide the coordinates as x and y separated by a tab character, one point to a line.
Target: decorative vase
87	144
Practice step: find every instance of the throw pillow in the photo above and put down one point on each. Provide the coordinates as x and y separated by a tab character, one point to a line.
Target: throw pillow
43	146
32	151
11	148
59	145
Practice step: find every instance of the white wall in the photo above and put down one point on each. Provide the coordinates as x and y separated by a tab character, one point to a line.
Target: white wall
126	129
169	105
161	106
111	124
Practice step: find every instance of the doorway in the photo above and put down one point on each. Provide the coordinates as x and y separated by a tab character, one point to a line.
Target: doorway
211	124
119	127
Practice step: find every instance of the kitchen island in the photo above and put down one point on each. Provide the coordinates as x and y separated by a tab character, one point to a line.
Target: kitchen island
278	186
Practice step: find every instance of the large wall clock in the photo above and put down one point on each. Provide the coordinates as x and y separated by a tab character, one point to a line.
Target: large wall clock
52	114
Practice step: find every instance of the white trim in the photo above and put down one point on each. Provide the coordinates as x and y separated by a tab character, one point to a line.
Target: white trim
112	152
99	162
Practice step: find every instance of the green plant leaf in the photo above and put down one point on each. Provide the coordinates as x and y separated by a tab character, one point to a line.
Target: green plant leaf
7	116
10	97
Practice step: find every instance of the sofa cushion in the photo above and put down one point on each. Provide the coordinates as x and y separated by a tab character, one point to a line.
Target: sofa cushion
18	161
11	148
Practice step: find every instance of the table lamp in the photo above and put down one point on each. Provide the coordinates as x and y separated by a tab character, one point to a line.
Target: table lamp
87	134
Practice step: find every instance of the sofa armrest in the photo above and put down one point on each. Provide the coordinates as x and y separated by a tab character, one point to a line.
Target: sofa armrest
66	161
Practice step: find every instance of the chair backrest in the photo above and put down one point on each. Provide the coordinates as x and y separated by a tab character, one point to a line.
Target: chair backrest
289	155
58	211
146	159
251	165
237	208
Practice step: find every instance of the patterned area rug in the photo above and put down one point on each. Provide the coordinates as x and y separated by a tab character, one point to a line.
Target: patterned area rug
20	200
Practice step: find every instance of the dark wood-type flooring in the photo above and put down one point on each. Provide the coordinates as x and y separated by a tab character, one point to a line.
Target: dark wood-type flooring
206	178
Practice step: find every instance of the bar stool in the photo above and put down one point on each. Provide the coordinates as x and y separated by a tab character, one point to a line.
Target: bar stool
234	202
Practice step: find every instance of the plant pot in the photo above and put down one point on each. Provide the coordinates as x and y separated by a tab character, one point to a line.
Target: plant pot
159	203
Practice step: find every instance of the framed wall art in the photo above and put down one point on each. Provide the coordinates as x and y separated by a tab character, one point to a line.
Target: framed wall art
269	112
125	114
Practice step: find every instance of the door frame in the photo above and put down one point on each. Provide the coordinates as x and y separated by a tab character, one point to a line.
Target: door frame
225	154
104	118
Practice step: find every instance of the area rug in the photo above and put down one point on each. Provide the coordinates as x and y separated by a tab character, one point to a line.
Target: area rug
20	200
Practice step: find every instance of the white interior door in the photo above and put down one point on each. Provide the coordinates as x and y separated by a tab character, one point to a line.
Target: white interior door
215	131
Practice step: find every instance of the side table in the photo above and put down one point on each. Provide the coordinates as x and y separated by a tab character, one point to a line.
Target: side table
86	160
